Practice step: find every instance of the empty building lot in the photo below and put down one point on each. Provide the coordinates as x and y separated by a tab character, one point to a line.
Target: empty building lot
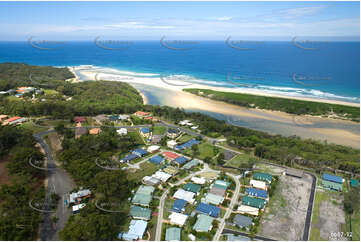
284	219
328	216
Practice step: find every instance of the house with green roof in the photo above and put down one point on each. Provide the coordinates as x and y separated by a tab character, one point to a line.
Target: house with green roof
171	170
172	234
221	184
262	177
192	163
143	196
148	190
332	185
203	223
354	183
254	202
214	199
191	187
137	212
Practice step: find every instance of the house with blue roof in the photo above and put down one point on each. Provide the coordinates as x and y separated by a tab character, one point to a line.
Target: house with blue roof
136	230
129	158
332	178
140	152
187	144
145	132
181	160
207	209
179	205
253	192
156	159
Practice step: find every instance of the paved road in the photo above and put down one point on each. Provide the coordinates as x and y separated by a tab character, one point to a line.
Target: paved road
60	183
229	231
230	207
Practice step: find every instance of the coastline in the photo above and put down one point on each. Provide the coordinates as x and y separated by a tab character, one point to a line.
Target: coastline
337	131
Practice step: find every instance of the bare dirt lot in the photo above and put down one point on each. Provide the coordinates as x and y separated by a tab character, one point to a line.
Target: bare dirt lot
285	214
327	225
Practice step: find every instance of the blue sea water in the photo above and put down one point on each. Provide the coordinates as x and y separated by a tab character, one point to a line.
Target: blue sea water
328	70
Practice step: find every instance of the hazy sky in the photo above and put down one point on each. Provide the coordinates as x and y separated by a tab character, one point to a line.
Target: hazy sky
182	20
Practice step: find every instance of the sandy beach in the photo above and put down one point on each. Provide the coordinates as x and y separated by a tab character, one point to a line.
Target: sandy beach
169	92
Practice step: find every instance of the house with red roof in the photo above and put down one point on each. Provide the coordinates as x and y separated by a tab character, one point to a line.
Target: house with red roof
79	119
14	120
170	155
142	114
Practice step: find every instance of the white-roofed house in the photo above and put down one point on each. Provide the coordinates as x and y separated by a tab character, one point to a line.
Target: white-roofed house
258	184
198	180
185	195
163	176
178	218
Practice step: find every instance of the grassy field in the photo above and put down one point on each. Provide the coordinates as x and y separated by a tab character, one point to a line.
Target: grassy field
33	128
146	169
355	223
185	138
159	130
238	160
50	92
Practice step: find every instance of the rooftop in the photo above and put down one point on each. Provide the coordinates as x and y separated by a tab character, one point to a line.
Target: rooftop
192	187
332	185
332	178
136	230
182	194
213	199
263	176
140	212
203	224
192	163
256	192
181	160
253	202
179	205
178	218
208	209
156	159
172	234
242	221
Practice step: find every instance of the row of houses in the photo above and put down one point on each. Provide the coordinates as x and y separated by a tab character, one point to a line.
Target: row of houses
332	182
5	120
256	196
188	123
175	146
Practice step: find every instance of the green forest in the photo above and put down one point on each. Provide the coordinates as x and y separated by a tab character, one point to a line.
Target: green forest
18	221
292	106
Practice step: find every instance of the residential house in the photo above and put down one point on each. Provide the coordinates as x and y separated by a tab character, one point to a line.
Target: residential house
207	209
95	131
137	212
143	196
354	183
332	178
177	218
170	155
145	132
124	117
263	177
182	194
171	170
172	133
122	131
253	192
228	154
173	234
203	223
179	205
254	202
192	163
164	177
139	152
153	148
79	119
142	114
151	181
190	187
113	118
76	197
180	160
156	138
244	209
332	185
198	180
211	198
129	158
258	184
187	144
242	221
14	120
156	159
3	117
136	230
171	144
232	237
217	191
76	208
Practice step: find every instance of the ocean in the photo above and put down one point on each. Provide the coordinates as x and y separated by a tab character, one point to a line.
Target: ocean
324	70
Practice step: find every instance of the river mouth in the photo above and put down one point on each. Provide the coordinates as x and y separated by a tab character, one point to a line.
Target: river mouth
307	127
